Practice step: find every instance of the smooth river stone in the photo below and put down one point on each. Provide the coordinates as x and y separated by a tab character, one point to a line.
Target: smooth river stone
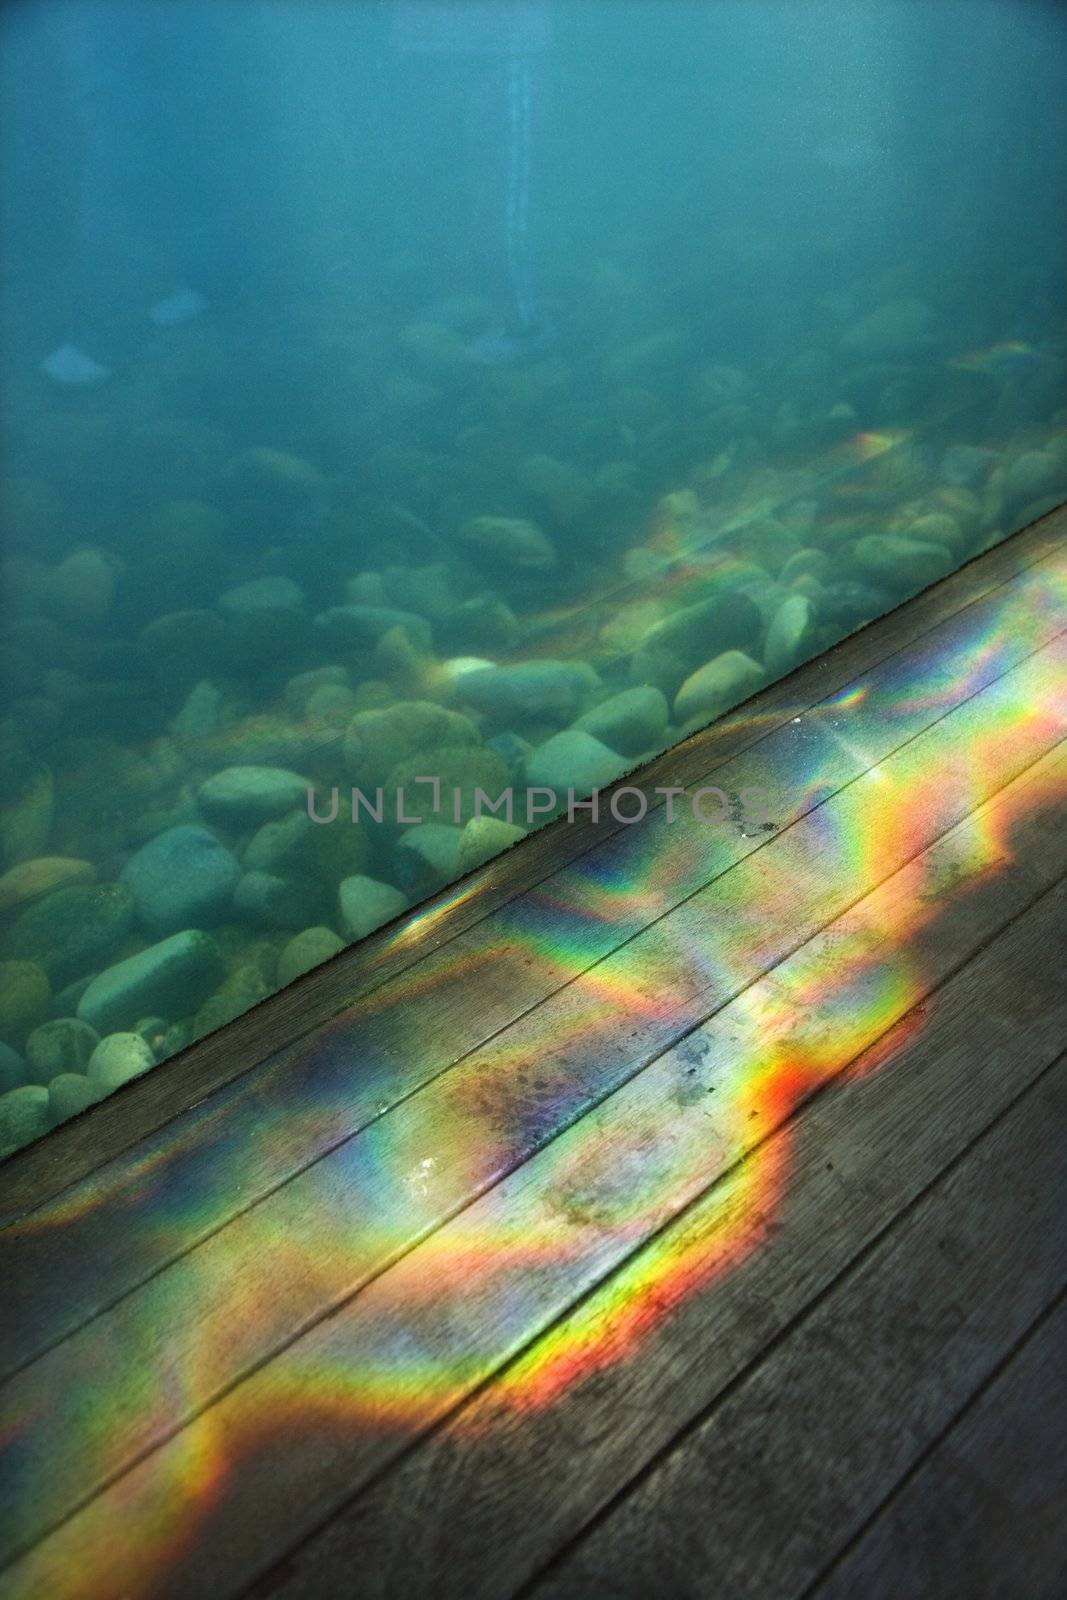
330	706
273	900
307	949
64	1045
188	642
24	995
425	590
904	564
297	847
24	1115
170	979
29	880
846	603
459	772
807	563
262	471
361	627
80	590
425	858
790	636
69	1095
562	489
184	878
718	685
898	327
246	796
483	622
527	690
483	838
630	722
572	760
13	1070
73	931
201	712
117	1059
724	622
26	823
966	465
376	741
262	594
509	542
1032	476
367	903
300	688
937	528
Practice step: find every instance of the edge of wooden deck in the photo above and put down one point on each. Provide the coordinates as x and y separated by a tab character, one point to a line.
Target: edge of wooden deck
33	1176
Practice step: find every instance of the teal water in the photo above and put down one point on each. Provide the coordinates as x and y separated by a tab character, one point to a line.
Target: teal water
484	392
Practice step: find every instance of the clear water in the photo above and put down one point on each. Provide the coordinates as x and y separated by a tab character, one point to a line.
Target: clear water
357	355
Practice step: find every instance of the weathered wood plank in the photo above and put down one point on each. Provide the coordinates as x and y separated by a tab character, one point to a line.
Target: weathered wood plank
481	1505
985	1514
306	1429
245	1142
72	1151
777	1476
315	1242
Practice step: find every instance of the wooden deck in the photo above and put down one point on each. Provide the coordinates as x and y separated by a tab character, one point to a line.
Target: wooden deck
674	1209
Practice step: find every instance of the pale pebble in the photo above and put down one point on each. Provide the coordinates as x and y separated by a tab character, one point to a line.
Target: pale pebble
367	903
117	1059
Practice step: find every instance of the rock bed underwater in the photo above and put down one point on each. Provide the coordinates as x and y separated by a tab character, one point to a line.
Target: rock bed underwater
516	577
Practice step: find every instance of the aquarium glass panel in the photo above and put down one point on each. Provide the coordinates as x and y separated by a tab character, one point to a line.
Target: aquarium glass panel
435	399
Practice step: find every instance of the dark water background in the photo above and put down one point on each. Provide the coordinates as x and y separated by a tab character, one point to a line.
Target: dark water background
773	146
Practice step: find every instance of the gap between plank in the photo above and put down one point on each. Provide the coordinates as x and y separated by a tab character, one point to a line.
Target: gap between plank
751	1369
131	1463
279	1570
392	1259
929	1450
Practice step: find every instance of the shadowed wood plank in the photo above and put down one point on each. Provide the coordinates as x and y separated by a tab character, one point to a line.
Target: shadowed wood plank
476	1509
305	1430
83	1145
985	1514
248	1140
753	1502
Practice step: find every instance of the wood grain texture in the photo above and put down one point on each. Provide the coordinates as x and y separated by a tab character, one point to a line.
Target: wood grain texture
753	1501
230	1305
381	1320
290	1460
484	1503
80	1147
984	1514
648	950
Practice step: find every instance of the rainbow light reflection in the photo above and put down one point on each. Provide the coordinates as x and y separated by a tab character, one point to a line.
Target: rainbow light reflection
475	1293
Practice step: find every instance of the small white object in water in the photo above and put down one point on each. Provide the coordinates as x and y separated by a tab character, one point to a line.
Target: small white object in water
72	366
182	306
444	675
458	666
